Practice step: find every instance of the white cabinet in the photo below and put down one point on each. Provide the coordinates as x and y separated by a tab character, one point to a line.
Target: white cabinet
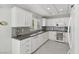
34	43
44	22
65	37
15	46
20	17
38	40
35	24
28	45
28	19
52	35
61	21
43	38
21	47
25	46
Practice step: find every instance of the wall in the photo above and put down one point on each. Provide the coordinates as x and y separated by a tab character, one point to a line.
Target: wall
5	31
74	38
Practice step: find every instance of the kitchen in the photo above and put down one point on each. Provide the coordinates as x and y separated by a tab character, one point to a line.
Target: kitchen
36	28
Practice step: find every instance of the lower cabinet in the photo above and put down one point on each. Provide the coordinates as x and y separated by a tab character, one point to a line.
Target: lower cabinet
65	37
43	38
28	45
38	40
25	46
52	35
21	46
34	43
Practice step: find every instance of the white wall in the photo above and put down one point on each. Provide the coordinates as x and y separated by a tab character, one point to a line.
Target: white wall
74	41
5	31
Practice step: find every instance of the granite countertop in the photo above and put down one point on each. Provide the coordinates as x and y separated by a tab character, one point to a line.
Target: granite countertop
37	32
30	34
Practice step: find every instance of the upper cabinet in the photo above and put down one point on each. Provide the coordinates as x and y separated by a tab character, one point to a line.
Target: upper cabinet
20	17
60	21
28	19
44	21
36	23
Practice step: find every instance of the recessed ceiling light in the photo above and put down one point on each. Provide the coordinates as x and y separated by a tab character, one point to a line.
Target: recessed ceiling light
48	8
61	9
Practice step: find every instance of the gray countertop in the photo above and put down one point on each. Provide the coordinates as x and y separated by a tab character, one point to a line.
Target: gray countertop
30	34
35	33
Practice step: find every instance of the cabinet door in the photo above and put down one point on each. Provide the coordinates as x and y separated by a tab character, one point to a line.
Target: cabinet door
42	38
35	24
18	17
28	19
45	36
26	46
34	43
65	37
15	46
52	35
43	22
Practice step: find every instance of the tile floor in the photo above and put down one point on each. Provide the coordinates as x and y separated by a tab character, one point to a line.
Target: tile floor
53	47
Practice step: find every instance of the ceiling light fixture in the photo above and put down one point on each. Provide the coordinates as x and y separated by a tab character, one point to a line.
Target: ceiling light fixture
48	8
61	9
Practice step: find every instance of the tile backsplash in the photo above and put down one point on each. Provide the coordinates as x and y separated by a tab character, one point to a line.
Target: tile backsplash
20	30
25	30
55	28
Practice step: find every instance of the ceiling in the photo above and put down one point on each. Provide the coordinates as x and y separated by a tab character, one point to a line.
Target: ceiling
46	10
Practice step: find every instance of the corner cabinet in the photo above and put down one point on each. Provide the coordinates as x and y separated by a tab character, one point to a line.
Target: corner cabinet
21	17
21	46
